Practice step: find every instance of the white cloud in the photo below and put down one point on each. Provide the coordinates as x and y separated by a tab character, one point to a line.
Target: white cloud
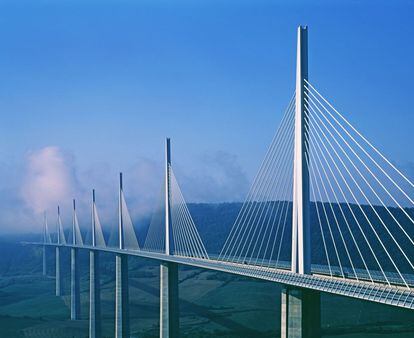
49	179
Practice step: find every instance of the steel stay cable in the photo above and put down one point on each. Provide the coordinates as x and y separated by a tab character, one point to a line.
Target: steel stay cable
192	229
253	186
360	135
336	198
312	189
187	218
377	180
342	193
328	223
319	219
132	236
189	246
99	237
178	221
156	231
357	202
283	233
285	188
337	201
348	187
276	177
291	184
78	234
284	202
276	235
61	232
257	177
176	237
330	203
161	228
269	160
151	240
248	215
264	183
374	210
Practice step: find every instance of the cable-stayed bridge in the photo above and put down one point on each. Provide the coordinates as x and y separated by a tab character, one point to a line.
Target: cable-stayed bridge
327	212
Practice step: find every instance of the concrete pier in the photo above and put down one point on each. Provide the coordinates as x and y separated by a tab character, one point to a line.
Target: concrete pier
74	286
121	297
58	273
94	296
300	313
169	307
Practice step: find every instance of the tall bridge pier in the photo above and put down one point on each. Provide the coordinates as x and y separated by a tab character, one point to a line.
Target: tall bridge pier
58	274
94	296
169	311
74	286
121	297
300	313
121	279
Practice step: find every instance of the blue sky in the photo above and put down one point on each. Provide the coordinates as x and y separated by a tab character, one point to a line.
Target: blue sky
97	85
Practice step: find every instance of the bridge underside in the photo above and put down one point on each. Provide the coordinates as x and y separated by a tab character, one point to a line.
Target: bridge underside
376	292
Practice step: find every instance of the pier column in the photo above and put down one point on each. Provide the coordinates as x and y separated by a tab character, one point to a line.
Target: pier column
300	313
121	297
169	308
44	261
74	286
58	273
94	296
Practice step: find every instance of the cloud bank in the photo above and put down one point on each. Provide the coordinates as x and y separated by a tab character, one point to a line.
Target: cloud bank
50	177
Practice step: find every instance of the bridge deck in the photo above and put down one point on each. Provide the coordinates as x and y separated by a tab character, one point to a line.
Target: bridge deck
394	295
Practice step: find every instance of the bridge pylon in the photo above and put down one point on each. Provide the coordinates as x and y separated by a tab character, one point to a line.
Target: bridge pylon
169	308
300	308
95	326
121	278
45	240
58	272
74	281
301	249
